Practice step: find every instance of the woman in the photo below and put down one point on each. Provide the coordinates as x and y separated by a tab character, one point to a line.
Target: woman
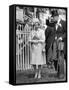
37	40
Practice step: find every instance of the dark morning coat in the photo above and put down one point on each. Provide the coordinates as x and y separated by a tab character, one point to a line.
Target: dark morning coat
51	32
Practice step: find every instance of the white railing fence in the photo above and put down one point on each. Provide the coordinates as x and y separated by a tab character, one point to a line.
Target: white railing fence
22	49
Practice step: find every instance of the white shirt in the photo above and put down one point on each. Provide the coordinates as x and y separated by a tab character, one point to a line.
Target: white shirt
58	24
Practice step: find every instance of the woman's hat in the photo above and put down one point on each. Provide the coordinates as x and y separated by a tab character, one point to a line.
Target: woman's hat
35	20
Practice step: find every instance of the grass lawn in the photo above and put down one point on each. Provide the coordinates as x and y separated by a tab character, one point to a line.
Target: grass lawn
27	76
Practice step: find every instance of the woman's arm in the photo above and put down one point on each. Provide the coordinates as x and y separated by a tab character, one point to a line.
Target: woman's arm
42	39
33	41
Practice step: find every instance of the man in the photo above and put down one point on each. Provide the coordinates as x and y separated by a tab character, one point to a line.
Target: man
53	32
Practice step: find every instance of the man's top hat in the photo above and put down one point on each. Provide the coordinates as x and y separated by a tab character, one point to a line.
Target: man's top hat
54	13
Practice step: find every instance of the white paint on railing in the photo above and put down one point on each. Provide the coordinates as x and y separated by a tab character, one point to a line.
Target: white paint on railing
23	50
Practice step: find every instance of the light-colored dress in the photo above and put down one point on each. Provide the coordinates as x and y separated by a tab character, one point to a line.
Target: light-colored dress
37	46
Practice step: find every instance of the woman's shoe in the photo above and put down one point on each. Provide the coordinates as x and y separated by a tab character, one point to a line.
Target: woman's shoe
39	76
36	75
